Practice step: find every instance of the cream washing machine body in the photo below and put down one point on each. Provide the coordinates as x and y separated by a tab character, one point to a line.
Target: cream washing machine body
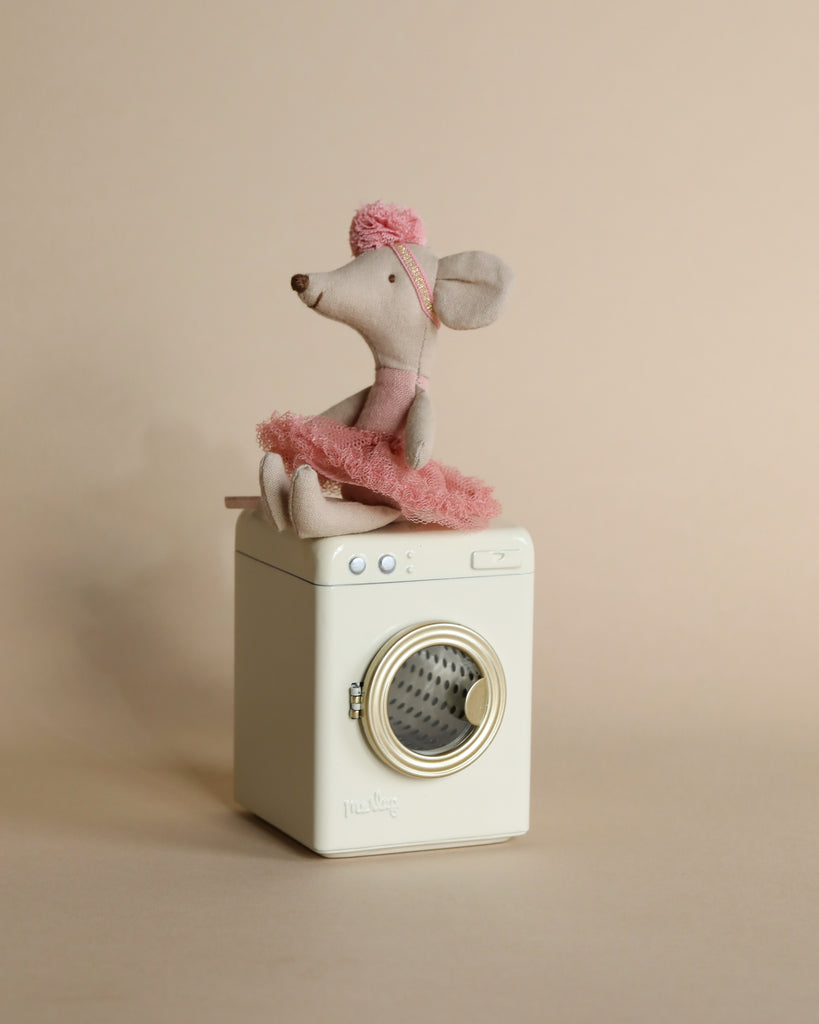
383	685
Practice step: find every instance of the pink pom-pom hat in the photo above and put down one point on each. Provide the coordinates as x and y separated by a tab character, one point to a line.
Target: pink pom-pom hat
378	224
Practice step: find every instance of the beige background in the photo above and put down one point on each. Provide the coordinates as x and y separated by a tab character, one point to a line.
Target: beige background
646	406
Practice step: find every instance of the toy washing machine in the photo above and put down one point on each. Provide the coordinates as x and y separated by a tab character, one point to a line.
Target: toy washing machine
383	685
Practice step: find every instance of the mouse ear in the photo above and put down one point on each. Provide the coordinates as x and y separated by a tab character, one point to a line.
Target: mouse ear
471	289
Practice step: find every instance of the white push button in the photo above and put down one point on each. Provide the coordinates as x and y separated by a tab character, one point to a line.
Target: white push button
357	565
387	563
509	559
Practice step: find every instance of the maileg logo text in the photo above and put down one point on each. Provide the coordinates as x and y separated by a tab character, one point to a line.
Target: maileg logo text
376	804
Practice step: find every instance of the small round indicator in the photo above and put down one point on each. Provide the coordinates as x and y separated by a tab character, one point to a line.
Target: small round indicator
387	563
357	565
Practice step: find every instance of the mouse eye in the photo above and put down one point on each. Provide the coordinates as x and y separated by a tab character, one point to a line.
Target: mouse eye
391	278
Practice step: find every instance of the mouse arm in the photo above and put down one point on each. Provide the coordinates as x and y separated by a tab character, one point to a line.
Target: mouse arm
348	409
419	434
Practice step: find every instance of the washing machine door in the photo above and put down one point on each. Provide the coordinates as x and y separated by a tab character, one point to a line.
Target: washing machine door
432	699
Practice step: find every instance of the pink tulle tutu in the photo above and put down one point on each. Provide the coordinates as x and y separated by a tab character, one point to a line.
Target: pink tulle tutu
375	460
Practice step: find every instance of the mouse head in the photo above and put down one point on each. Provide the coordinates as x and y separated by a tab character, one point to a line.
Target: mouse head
396	293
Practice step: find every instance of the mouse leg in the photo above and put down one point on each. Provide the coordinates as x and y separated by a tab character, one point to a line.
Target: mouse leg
314	515
275	487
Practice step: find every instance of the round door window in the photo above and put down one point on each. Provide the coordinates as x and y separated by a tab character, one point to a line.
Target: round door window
433	698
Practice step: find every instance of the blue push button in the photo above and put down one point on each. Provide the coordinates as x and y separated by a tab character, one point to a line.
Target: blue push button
387	564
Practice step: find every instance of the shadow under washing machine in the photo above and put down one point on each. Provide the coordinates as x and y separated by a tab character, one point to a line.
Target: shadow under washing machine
383	685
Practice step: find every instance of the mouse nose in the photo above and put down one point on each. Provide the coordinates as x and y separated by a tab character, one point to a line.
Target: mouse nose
299	282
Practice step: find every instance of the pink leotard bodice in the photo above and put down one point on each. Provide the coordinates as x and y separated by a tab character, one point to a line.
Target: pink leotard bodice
389	399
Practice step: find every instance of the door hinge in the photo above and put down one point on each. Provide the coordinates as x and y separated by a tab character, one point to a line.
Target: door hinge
355	700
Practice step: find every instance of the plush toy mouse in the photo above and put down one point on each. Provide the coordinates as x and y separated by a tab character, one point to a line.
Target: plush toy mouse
375	446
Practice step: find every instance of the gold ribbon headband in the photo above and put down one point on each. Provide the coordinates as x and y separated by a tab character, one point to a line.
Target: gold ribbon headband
418	278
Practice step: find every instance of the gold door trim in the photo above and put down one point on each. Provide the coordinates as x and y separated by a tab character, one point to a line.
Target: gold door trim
488	706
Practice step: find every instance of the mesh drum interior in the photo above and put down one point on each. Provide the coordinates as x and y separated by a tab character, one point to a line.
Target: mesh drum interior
427	696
